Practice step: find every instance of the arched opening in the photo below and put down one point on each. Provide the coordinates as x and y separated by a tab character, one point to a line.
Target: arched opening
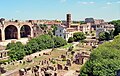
11	32
0	35
25	31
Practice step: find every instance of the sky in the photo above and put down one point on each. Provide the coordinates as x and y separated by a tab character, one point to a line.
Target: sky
57	9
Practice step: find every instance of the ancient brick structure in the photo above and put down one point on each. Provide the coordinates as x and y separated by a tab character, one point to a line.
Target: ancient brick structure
17	29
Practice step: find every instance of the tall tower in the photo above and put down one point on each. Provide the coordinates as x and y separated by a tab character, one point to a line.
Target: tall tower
68	20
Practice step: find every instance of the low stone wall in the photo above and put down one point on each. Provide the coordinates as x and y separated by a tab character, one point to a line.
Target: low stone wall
37	54
12	73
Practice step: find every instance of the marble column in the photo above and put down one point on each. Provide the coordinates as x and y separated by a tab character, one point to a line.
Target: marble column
3	34
31	32
18	33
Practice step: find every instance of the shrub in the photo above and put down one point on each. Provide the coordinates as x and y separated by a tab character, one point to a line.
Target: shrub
59	41
70	40
79	36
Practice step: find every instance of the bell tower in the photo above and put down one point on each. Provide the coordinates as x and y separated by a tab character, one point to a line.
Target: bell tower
68	20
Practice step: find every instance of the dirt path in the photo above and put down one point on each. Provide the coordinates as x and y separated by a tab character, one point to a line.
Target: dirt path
70	73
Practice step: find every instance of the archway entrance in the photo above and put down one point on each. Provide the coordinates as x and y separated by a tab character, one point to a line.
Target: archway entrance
25	31
11	32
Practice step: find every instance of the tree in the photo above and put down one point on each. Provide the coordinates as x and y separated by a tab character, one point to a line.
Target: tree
17	52
50	33
70	40
39	43
111	34
78	36
116	23
104	60
32	47
54	27
59	41
10	45
82	22
104	36
43	27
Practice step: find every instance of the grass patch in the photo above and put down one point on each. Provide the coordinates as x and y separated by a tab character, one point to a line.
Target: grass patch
67	46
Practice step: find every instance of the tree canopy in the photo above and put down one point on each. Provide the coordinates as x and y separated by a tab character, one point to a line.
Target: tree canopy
104	60
104	36
70	40
18	50
59	41
79	36
54	27
116	23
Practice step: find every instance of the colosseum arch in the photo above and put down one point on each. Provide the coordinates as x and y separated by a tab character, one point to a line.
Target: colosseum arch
25	30
11	32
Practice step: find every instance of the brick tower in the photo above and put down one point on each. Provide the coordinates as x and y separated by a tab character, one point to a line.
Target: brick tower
68	20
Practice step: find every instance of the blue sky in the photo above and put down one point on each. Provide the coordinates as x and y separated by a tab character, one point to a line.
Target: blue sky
57	9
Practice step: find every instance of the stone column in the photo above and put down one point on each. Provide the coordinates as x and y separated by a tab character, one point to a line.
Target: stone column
3	34
18	33
31	32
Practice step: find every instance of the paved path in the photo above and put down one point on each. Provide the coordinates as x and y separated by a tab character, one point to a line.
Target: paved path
37	53
75	43
70	73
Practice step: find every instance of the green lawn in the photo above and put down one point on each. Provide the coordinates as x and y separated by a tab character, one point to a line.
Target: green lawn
67	46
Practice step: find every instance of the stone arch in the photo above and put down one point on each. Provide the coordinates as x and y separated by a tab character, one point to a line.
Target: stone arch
25	30
11	32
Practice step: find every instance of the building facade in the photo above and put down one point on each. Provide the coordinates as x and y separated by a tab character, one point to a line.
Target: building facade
103	27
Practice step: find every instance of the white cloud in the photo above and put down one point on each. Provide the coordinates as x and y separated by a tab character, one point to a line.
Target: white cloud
86	3
108	3
17	11
91	2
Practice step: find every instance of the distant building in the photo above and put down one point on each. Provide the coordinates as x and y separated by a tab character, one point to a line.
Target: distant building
98	21
87	28
37	31
64	32
103	27
67	28
89	20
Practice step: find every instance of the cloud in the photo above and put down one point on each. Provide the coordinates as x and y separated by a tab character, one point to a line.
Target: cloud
108	3
86	3
17	11
91	2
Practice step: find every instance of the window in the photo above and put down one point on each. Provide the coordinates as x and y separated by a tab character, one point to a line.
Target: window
60	35
60	30
64	37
